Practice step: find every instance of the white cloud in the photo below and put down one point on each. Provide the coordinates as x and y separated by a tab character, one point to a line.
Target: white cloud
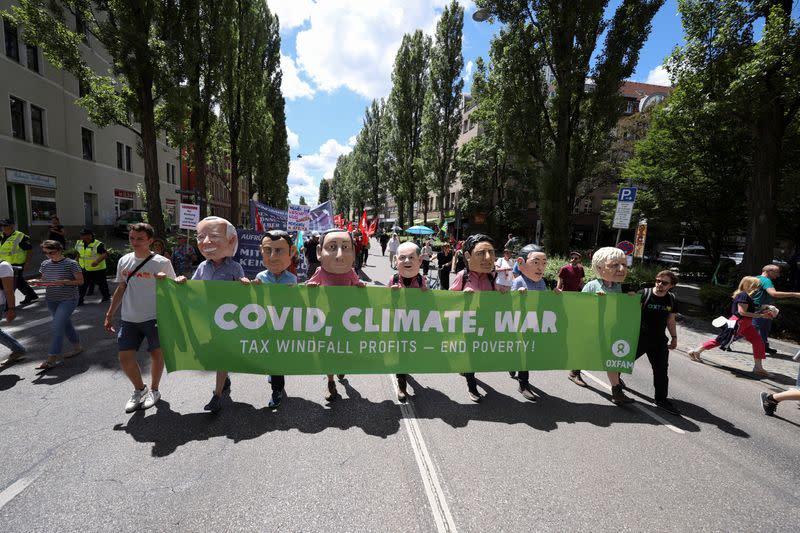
291	13
305	173
468	72
352	140
658	76
292	138
352	44
291	84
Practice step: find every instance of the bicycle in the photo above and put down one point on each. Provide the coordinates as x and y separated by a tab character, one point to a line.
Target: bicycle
433	278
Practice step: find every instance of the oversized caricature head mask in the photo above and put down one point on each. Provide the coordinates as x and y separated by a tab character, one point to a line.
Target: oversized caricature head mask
408	260
336	252
610	264
532	262
479	253
217	239
277	251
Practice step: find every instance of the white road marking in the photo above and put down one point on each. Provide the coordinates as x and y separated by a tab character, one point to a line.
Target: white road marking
14	489
433	489
637	405
24	326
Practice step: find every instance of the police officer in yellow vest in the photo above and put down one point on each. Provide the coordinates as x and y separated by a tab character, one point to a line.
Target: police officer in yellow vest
15	247
92	258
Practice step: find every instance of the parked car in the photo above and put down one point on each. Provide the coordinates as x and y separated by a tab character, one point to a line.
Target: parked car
737	257
126	218
694	258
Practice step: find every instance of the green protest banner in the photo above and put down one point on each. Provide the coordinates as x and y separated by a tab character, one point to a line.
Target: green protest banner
276	329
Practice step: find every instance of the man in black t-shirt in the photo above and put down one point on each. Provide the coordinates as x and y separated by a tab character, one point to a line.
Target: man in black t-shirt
658	314
444	260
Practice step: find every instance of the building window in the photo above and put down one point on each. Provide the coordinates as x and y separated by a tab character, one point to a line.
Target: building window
80	27
128	158
87	141
18	118
120	153
173	174
37	124
43	204
629	108
12	43
83	88
33	58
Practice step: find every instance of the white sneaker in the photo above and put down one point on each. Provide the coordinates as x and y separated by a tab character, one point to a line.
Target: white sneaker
150	399
136	400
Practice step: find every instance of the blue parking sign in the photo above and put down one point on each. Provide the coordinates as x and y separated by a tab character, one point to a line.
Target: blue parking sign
627	194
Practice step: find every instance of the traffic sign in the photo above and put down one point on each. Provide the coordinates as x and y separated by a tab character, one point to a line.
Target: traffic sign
626	246
625	200
627	194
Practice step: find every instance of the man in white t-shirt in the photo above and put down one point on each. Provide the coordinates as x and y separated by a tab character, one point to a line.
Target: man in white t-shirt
136	292
8	307
503	267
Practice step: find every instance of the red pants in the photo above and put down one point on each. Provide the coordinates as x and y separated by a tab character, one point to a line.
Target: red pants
744	328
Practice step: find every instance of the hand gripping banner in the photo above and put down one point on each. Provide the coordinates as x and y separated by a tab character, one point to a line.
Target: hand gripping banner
278	329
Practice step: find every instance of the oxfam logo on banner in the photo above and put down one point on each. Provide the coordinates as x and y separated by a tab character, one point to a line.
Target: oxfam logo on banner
620	348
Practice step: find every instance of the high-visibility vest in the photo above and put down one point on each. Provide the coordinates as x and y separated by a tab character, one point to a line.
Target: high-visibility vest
88	253
10	250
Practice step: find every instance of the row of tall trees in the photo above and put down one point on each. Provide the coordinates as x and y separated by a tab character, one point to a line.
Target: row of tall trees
406	146
192	68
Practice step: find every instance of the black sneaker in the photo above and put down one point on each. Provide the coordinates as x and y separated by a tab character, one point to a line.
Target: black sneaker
513	375
768	404
474	395
618	397
527	393
28	300
622	384
667	406
214	405
771	351
331	394
275	400
227	386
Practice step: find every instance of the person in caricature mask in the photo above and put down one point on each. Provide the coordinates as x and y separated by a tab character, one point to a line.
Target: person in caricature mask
277	252
480	257
409	261
218	242
337	252
611	267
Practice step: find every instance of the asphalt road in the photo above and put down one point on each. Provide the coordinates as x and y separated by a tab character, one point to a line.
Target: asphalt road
74	461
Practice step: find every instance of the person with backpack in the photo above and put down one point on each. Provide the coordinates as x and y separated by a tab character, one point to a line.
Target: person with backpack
409	261
658	314
479	254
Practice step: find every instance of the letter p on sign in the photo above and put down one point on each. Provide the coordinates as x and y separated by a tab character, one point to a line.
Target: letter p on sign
627	194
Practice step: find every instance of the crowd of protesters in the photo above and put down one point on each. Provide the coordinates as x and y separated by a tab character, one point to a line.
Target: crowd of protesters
473	262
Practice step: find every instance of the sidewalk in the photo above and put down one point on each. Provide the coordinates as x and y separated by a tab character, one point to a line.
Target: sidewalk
692	332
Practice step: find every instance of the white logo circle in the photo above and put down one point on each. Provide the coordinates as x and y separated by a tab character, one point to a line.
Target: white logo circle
620	348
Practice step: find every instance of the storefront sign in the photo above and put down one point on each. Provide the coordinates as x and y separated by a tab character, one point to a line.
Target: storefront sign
121	193
27	178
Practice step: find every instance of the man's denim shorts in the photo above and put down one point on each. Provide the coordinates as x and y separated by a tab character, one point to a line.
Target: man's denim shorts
131	335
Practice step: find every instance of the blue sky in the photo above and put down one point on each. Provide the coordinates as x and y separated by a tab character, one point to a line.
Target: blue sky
337	56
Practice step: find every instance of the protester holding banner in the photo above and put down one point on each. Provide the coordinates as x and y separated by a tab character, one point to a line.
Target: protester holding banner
532	262
277	251
336	252
217	240
479	255
611	265
409	261
658	314
136	293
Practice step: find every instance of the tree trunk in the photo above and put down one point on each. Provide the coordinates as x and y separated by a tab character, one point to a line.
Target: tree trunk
155	216
763	189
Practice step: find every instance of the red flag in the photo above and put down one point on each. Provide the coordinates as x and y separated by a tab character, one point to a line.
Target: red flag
259	224
350	226
373	227
362	226
338	221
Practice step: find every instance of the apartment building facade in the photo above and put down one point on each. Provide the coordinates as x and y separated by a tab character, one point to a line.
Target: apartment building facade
53	159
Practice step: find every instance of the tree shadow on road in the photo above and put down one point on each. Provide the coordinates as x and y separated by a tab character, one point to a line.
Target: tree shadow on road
168	430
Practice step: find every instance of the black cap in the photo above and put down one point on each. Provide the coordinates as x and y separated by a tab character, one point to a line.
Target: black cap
7	222
87	231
